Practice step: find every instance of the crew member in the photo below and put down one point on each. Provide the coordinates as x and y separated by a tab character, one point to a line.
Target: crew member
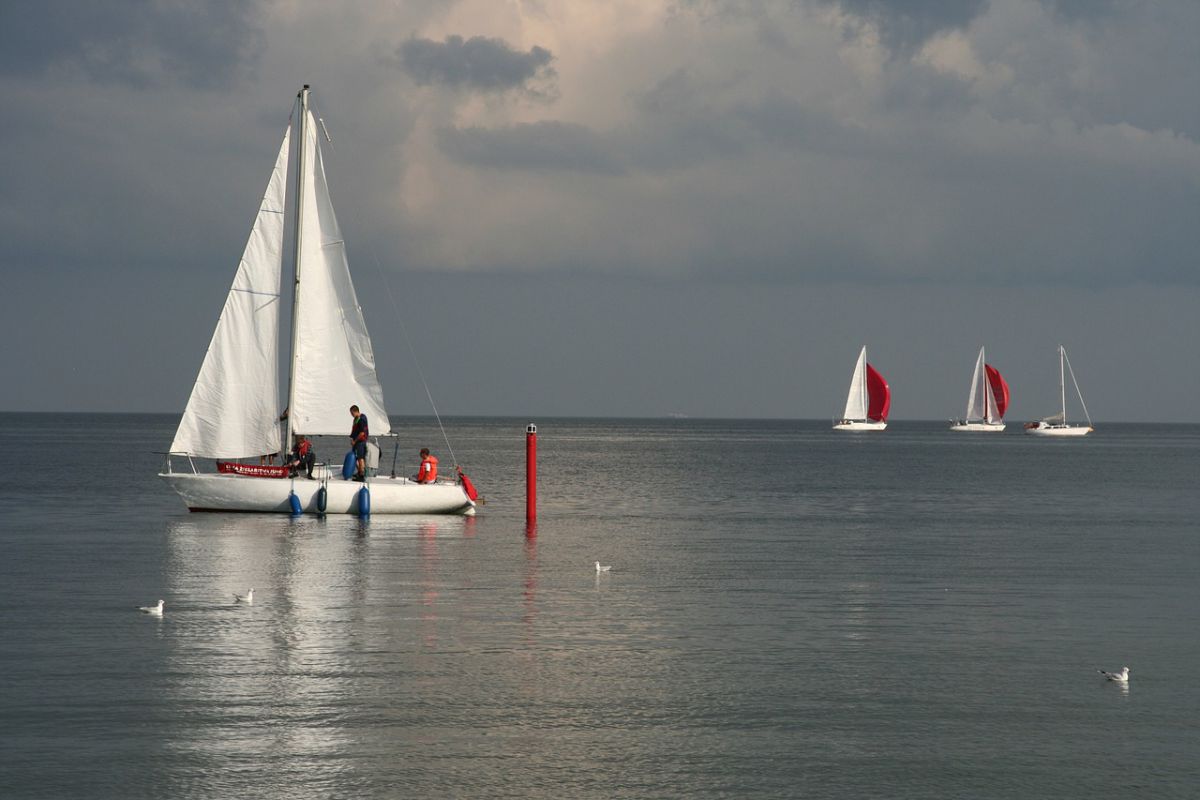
428	471
358	440
302	456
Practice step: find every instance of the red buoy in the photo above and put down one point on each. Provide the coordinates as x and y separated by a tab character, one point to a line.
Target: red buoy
531	472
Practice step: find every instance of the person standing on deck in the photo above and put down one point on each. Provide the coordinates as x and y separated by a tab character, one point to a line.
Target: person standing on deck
428	471
358	440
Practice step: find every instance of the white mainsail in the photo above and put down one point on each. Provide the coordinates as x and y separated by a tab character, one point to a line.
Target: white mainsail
856	400
334	364
233	411
981	403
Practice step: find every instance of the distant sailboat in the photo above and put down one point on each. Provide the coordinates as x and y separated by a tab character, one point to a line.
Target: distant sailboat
987	401
1056	424
869	399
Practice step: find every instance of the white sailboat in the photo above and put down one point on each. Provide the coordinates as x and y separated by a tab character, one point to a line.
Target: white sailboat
233	409
987	400
1056	424
869	399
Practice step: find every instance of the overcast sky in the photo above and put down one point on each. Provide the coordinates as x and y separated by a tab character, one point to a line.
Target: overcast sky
628	207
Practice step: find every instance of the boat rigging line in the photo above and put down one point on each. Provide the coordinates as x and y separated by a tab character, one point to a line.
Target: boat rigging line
399	318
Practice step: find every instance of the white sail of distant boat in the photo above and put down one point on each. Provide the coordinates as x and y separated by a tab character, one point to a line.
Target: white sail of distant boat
233	409
987	400
868	401
1056	424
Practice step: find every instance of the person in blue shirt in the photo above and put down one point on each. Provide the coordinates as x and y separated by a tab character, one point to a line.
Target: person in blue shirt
358	440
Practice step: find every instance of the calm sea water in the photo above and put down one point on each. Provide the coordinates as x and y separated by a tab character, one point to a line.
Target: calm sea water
791	613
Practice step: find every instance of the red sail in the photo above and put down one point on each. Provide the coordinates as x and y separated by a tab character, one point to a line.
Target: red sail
880	395
999	389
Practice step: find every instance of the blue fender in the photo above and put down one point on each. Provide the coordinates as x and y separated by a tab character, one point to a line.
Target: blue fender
364	502
322	499
294	502
348	466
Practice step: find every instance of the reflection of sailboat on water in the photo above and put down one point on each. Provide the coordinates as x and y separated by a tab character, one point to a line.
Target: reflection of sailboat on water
987	401
232	412
869	399
1056	424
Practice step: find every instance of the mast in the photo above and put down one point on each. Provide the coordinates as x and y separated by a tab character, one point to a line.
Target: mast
984	387
301	137
1062	377
862	366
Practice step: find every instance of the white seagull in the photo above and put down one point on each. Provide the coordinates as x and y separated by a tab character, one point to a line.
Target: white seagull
1119	677
602	569
152	610
247	598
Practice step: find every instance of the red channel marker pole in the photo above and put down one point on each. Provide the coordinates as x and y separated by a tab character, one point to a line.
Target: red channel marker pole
530	473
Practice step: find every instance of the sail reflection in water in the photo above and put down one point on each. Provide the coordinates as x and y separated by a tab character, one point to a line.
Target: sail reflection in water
327	628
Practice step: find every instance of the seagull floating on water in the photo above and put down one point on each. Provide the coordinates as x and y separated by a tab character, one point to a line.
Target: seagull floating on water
602	569
152	610
1119	677
247	598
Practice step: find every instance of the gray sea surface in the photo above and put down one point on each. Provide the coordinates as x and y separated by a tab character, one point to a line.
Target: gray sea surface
791	612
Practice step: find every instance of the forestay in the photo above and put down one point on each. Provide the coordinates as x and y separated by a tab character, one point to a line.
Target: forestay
233	410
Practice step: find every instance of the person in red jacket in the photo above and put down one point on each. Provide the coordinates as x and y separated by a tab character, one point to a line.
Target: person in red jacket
302	456
428	471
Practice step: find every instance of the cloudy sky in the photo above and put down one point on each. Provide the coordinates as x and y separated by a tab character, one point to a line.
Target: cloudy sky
628	207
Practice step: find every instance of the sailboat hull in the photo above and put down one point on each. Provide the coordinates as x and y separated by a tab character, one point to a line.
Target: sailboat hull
1059	430
859	425
978	427
204	492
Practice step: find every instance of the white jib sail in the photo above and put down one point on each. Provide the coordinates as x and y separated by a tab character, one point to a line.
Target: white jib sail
856	400
335	365
234	408
980	404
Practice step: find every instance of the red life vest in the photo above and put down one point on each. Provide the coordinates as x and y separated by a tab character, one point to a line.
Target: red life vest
428	471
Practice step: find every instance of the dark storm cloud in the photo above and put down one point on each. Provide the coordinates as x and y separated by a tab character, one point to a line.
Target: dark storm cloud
545	145
906	24
480	63
917	88
137	42
568	147
1082	9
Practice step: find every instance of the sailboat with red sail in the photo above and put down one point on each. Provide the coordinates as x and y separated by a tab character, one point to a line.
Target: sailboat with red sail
987	401
869	400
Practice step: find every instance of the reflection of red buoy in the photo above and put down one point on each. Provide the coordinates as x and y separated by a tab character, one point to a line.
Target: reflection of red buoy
531	473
